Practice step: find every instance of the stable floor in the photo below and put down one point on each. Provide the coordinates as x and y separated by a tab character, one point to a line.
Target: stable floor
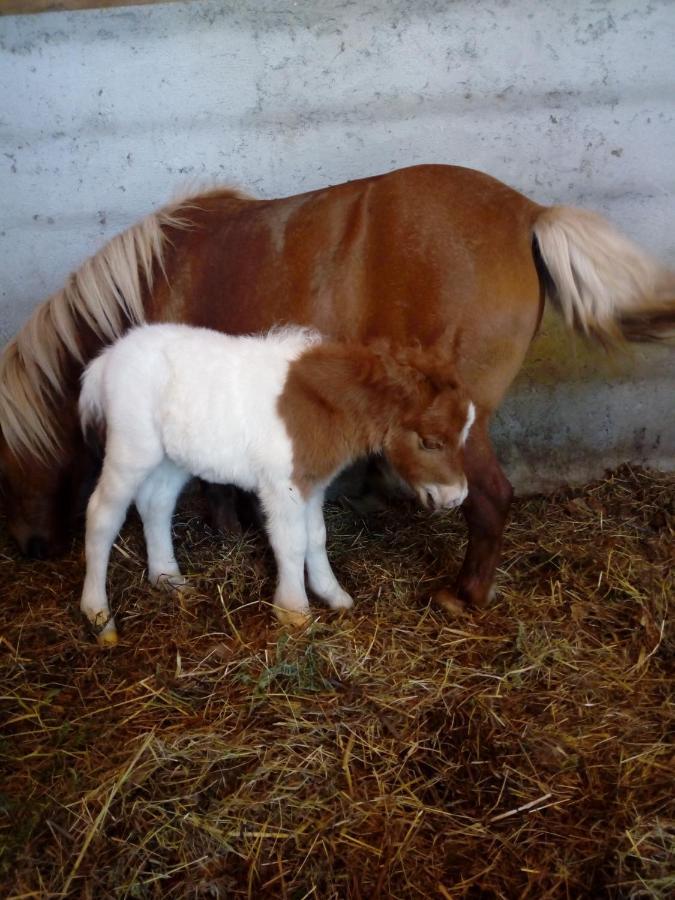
394	751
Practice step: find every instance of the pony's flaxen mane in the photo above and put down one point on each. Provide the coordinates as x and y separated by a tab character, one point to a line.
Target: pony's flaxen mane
106	293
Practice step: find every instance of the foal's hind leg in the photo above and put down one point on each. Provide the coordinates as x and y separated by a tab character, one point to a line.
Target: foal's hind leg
485	511
106	512
155	501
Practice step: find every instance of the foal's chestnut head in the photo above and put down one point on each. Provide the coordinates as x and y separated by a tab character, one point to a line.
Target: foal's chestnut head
426	446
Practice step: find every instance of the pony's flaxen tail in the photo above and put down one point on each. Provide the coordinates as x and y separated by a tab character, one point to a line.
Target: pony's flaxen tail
605	286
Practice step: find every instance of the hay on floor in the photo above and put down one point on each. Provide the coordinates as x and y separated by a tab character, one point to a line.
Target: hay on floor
518	751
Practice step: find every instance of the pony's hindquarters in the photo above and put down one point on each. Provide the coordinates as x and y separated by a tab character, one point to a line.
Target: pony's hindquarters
605	285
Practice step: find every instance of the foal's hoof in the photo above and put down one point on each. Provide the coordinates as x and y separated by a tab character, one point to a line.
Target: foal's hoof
107	638
341	601
292	618
187	593
105	629
450	602
172	584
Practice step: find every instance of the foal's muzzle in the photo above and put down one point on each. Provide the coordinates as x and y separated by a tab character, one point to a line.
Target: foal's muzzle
443	496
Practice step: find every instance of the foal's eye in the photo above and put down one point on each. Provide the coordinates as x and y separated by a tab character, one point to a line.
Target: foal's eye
430	444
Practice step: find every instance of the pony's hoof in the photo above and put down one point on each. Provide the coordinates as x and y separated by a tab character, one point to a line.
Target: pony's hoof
292	618
449	602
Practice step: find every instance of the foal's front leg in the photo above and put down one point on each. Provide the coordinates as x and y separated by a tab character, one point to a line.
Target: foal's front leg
287	532
320	575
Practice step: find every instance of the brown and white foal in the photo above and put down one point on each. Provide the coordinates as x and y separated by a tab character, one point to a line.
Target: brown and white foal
279	414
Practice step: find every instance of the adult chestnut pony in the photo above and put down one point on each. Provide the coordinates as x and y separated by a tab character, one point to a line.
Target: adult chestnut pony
416	254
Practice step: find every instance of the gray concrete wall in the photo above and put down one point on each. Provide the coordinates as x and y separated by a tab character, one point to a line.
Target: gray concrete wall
104	114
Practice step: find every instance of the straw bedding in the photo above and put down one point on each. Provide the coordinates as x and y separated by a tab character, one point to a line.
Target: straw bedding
394	751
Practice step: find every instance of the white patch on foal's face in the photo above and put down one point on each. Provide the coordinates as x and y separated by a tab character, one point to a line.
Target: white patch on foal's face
470	419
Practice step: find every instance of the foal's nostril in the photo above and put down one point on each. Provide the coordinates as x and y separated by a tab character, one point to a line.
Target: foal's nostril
37	548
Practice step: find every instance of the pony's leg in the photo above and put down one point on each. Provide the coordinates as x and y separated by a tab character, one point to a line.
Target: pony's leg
222	507
155	501
106	512
320	575
485	511
287	533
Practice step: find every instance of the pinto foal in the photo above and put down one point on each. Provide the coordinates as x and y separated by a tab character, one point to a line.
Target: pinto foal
280	415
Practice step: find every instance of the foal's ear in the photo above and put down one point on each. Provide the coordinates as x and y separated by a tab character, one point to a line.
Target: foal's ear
437	365
440	360
394	368
380	346
449	344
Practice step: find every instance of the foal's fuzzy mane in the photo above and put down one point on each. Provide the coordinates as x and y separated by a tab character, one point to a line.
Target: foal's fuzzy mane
106	293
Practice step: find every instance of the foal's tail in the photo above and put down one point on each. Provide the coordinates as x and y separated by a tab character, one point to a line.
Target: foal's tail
91	407
605	285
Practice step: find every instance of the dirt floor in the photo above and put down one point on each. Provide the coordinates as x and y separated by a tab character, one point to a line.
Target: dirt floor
394	751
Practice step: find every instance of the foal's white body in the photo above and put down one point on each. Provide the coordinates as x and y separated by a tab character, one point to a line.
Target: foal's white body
179	401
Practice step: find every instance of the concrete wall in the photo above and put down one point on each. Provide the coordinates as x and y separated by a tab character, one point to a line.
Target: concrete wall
105	113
